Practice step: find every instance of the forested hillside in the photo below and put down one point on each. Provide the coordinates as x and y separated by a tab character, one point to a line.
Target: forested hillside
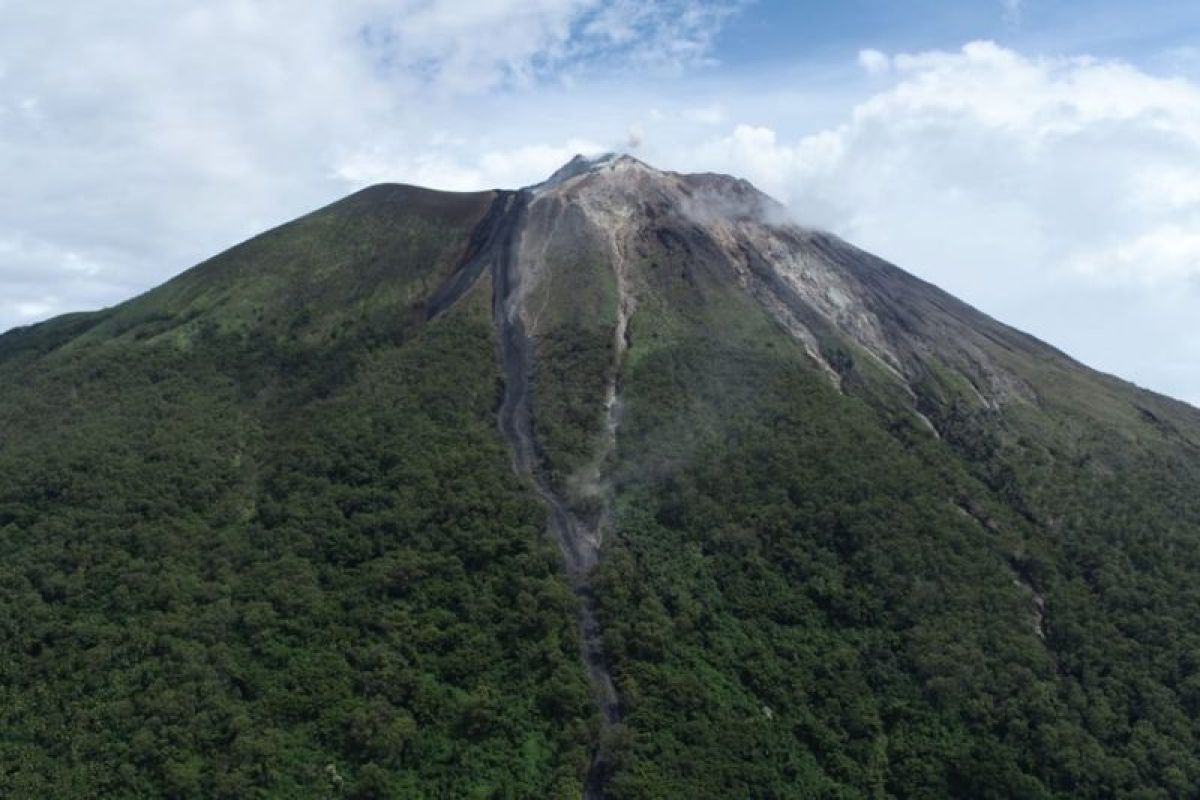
244	563
805	598
318	518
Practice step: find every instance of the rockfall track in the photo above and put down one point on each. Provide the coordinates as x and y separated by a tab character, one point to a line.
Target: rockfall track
495	247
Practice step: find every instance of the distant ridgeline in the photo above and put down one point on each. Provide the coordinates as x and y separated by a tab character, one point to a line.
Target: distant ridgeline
621	485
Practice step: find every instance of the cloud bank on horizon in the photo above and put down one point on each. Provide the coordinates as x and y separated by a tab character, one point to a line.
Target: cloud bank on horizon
1058	191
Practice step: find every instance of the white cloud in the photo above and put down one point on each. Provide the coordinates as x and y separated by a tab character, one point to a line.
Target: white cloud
1095	160
874	61
512	167
40	279
1021	184
637	135
1167	255
711	114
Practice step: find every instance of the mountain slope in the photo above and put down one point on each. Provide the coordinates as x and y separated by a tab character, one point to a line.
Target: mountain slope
821	529
260	536
974	505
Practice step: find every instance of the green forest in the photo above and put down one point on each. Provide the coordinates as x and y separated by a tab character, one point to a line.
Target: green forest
260	537
802	602
339	591
283	560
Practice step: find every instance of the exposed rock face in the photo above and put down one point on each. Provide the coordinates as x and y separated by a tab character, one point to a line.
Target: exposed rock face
833	298
614	217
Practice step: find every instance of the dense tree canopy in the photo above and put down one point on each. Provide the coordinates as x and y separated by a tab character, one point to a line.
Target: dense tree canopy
260	536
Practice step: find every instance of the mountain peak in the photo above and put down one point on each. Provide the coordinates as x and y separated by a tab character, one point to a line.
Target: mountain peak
621	182
584	164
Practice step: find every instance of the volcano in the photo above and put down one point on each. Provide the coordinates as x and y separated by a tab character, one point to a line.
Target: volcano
625	484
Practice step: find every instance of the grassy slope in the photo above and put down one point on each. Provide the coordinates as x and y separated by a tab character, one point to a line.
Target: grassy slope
260	537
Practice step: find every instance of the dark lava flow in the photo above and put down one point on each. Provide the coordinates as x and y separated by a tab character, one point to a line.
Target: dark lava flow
496	245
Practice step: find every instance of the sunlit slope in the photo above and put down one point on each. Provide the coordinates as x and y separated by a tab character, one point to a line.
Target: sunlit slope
260	537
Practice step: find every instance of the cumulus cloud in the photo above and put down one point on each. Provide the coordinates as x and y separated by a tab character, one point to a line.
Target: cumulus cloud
1020	183
40	278
874	61
1164	256
1096	159
711	114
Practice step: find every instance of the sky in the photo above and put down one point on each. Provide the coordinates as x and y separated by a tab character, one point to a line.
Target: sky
1038	158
